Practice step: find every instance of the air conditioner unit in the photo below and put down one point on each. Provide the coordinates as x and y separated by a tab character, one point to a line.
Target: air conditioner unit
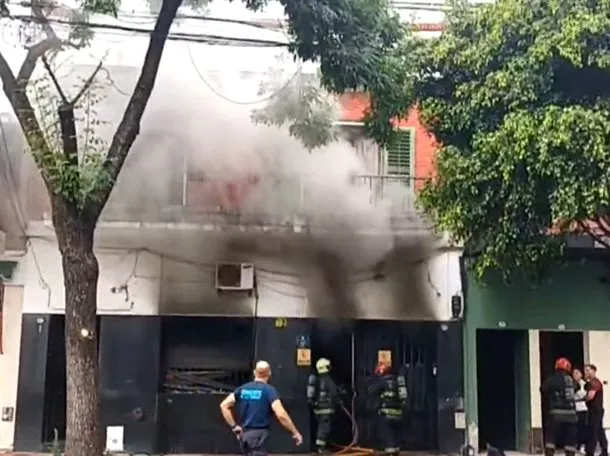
235	276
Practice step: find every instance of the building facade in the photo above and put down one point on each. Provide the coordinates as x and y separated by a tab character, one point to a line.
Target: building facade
344	266
513	335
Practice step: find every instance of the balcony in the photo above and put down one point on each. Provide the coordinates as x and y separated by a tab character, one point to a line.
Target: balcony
290	203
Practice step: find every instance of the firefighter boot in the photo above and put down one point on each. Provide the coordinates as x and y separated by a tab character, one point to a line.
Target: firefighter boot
549	450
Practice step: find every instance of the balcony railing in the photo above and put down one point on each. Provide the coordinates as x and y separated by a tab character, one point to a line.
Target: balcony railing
287	201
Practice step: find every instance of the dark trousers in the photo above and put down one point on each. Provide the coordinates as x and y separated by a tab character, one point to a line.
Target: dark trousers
582	435
597	433
323	423
253	442
389	431
561	431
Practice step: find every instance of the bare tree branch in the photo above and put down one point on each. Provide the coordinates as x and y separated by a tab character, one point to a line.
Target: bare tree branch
603	222
34	53
88	83
25	114
39	49
585	228
129	127
45	62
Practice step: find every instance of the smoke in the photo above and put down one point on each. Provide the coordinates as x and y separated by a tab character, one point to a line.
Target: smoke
354	227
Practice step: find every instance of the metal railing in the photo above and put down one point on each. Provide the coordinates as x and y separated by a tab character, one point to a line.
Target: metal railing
281	199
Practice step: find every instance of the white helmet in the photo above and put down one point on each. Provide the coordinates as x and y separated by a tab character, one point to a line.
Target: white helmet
323	366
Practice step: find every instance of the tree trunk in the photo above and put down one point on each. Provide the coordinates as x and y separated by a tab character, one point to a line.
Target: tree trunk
81	272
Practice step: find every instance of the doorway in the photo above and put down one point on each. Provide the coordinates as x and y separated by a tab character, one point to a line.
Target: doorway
333	340
501	359
558	344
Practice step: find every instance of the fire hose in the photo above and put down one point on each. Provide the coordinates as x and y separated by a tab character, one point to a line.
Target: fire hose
352	449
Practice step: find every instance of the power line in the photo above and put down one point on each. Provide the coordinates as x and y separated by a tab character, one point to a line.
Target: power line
251	102
17	208
175	36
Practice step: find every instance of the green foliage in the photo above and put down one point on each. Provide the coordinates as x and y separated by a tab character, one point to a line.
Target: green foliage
77	179
300	102
518	95
360	45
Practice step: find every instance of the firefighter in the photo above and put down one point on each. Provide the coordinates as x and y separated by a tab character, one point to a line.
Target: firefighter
322	396
390	395
562	424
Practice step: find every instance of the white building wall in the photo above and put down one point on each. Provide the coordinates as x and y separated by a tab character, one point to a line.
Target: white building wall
170	284
536	399
9	360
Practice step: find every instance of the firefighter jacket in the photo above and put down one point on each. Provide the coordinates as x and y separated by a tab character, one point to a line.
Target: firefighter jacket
389	397
322	394
560	395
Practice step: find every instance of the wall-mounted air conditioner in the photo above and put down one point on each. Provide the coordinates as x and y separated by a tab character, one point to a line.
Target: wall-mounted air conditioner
234	277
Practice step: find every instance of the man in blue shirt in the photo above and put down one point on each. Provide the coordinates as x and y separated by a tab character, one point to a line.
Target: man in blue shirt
256	402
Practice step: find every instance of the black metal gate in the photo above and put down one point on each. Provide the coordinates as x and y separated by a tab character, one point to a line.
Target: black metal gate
412	346
204	359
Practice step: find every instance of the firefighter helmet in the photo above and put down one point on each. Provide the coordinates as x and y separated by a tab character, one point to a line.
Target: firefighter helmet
563	364
382	368
322	366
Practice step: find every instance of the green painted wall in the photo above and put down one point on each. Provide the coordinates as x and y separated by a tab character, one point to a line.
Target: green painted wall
574	296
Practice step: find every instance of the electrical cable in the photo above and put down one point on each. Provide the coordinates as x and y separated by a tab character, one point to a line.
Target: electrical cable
21	218
151	19
236	102
175	36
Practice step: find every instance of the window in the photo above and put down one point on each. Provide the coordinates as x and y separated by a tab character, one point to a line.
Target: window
399	157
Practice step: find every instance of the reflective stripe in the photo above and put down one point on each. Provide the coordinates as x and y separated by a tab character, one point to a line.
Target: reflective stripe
325	411
390	411
391	450
563	412
550	446
320	442
571	448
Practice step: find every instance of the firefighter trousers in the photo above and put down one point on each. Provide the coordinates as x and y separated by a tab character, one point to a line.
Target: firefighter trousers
389	430
323	424
560	432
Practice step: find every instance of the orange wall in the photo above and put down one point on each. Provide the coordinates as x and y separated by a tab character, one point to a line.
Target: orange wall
354	107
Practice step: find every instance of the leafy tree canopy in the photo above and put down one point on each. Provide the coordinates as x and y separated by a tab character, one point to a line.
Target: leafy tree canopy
518	95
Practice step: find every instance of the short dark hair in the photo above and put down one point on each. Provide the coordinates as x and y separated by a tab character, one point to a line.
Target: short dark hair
592	367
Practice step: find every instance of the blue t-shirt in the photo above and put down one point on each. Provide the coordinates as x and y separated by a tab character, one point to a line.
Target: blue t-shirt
253	401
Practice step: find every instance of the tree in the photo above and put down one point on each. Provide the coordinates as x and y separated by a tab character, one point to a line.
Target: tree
350	39
301	103
517	93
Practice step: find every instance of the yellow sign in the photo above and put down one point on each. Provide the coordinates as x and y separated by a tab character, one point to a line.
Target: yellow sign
303	357
281	322
385	357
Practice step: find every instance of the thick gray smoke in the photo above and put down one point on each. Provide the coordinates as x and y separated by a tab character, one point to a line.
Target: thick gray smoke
353	227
